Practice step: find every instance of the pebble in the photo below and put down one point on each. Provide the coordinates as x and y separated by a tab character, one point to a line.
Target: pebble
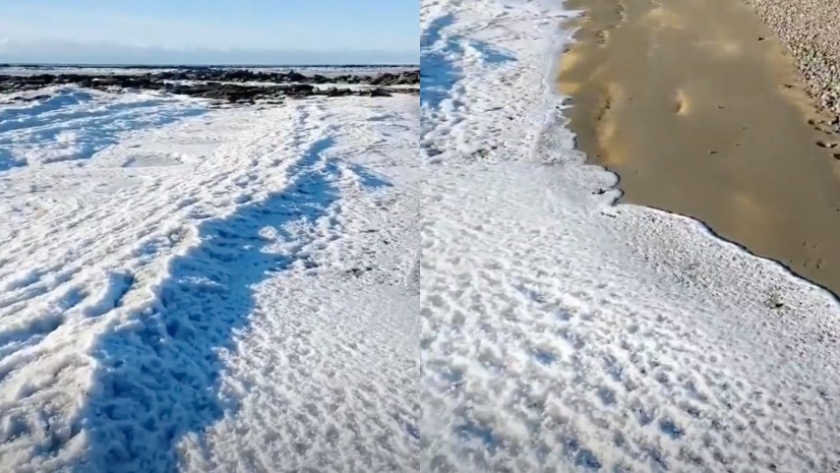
810	30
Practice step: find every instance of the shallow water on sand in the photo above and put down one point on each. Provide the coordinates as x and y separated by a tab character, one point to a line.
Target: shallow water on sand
698	110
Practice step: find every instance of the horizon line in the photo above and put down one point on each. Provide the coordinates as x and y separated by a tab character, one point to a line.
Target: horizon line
184	65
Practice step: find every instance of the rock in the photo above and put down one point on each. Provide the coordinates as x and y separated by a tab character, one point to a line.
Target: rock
336	92
293	76
378	93
109	81
227	85
319	79
384	79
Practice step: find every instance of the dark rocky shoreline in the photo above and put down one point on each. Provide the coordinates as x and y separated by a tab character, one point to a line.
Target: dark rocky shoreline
230	85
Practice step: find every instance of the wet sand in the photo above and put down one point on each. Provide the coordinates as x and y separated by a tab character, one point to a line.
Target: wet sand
696	107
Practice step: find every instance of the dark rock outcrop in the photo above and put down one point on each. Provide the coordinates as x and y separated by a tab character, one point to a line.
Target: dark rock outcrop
229	85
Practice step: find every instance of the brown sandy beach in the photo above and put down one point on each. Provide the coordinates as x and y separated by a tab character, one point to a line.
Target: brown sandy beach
700	111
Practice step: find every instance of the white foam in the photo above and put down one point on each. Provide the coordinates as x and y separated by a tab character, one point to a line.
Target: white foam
316	86
229	289
328	71
69	124
564	333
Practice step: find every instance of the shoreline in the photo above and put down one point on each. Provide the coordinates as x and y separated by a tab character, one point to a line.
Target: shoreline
230	85
698	110
810	33
549	313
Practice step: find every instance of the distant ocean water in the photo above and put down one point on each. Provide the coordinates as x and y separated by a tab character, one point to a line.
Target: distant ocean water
29	69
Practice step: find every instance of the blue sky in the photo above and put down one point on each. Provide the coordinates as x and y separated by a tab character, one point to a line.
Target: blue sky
210	31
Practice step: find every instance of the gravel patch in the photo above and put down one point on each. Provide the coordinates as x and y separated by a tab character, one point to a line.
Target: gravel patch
810	29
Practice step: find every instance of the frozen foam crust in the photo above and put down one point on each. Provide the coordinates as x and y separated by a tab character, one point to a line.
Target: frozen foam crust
563	333
195	289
